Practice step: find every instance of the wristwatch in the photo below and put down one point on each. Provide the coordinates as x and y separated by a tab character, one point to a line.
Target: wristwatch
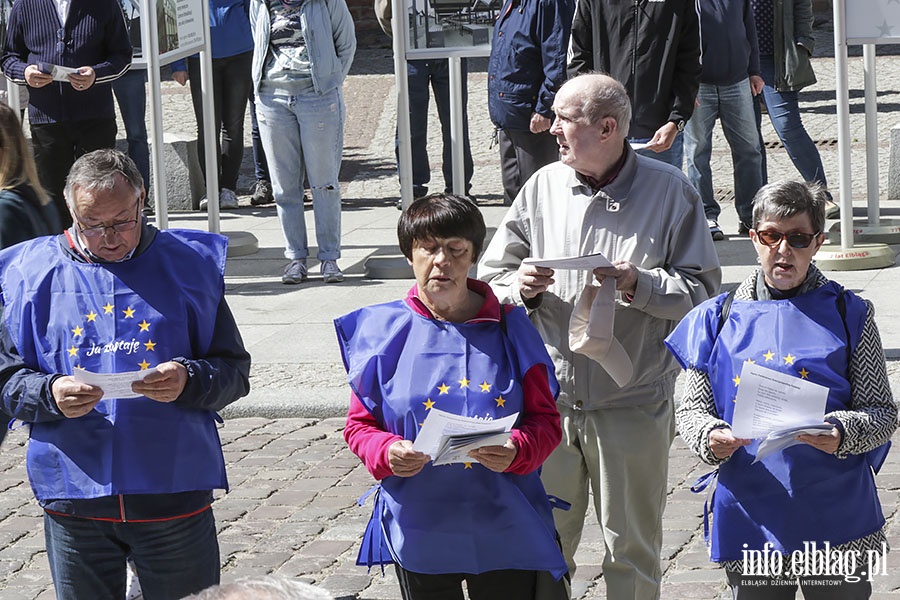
679	124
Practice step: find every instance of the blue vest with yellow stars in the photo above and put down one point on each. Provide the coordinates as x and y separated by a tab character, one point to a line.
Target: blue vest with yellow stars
116	317
800	494
458	518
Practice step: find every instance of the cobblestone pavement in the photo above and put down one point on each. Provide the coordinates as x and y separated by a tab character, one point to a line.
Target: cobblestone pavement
294	485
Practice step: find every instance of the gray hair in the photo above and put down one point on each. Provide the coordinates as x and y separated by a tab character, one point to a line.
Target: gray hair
97	170
785	199
269	587
601	97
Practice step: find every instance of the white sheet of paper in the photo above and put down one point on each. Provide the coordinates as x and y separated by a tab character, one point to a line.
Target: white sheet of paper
60	73
440	425
114	385
785	438
588	262
769	400
639	145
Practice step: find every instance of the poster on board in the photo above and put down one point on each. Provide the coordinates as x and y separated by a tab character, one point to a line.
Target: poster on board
872	21
179	28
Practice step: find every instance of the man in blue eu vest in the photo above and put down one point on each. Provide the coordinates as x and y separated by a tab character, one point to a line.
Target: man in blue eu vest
121	471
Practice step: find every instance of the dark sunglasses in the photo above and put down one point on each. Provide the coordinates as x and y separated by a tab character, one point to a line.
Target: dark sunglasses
795	239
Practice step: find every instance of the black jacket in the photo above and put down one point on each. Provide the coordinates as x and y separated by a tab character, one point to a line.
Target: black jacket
651	46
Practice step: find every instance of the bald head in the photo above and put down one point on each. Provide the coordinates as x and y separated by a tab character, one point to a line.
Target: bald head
596	96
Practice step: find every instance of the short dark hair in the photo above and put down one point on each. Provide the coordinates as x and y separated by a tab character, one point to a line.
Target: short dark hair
441	216
784	199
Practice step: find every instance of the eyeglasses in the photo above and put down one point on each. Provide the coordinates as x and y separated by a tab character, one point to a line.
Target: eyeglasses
120	227
795	239
60	39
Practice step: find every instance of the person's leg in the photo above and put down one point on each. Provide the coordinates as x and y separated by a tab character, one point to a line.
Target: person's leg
757	113
4	424
440	84
174	558
698	147
509	584
321	118
837	588
784	112
279	130
565	475
739	126
629	507
131	95
417	74
87	560
747	587
236	86
419	586
522	153
193	67
260	166
54	153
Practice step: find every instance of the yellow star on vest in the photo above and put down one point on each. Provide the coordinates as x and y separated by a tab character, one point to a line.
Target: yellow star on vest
737	380
444	388
463	383
78	330
769	355
150	345
789	359
804	374
500	400
751	361
91	316
144	325
428	404
485	387
144	365
73	351
108	309
467	465
129	313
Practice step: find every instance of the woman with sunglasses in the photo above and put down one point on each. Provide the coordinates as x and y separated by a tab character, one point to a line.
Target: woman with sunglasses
820	493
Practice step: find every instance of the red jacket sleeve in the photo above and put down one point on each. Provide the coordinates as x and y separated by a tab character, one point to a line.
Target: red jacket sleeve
368	440
539	432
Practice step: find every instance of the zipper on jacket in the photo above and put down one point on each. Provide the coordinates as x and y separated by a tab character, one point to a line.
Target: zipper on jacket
634	48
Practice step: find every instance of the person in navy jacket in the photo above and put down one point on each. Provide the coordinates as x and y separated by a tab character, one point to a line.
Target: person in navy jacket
72	114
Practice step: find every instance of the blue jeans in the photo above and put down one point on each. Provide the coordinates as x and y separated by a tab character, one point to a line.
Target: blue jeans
733	105
174	558
436	72
784	112
303	135
131	95
673	156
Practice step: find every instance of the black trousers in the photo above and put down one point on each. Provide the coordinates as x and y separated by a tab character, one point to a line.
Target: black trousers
231	89
521	154
493	585
58	145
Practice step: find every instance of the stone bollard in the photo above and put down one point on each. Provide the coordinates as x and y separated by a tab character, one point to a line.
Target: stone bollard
894	169
184	180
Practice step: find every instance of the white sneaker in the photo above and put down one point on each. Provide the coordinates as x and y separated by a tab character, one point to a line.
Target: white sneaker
331	273
227	199
204	202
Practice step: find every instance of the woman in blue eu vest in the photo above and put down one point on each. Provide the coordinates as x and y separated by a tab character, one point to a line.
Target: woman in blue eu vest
450	345
810	513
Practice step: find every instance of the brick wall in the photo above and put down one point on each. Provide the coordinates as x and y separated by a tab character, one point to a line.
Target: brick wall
368	33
